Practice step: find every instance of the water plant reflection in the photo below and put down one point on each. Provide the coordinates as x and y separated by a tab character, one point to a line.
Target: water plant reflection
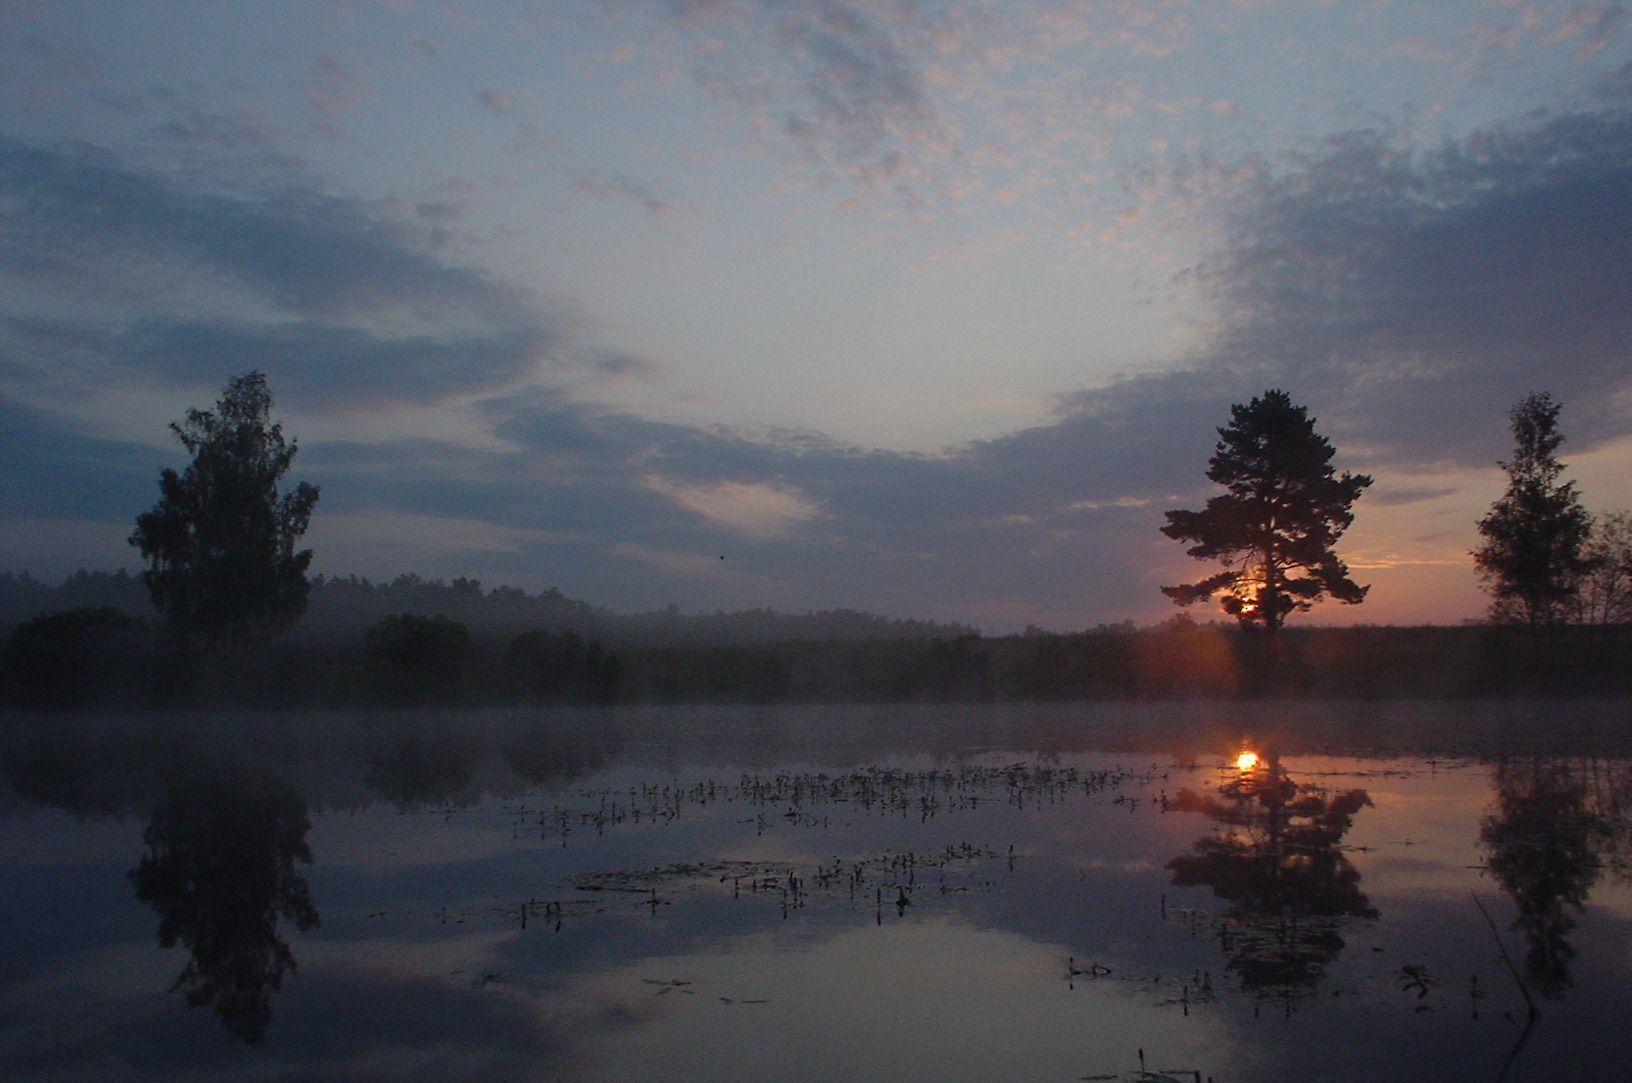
1277	860
220	870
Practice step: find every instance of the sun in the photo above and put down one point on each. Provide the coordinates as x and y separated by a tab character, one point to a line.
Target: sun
1246	761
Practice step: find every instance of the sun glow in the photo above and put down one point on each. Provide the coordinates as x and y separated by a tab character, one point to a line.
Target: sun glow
1247	589
1246	761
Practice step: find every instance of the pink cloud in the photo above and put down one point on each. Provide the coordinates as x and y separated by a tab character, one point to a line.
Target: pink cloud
1592	24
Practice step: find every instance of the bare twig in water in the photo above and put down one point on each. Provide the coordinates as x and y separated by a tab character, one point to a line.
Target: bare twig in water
1533	1013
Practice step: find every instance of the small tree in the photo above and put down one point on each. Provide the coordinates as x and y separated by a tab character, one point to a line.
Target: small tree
77	657
1275	526
1603	595
550	668
1535	535
220	543
414	657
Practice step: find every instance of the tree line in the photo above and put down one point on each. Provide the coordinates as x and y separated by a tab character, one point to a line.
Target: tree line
340	609
101	657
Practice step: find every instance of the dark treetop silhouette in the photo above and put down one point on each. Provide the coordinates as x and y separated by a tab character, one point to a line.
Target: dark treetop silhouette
1284	510
1536	533
220	543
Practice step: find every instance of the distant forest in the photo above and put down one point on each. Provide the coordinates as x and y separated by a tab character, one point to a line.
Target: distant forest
95	640
340	609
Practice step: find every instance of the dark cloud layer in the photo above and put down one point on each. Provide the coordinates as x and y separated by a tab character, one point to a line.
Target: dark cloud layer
345	304
69	210
1420	295
55	474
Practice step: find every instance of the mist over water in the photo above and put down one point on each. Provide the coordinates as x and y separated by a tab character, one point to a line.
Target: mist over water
1085	891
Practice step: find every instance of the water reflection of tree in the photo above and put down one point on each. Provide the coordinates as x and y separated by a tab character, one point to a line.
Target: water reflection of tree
61	765
220	870
544	753
412	765
1542	843
1609	795
1277	862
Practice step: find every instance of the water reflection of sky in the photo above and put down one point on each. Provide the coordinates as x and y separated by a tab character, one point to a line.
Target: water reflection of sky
1044	932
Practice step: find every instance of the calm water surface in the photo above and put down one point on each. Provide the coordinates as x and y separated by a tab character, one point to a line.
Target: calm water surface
1086	893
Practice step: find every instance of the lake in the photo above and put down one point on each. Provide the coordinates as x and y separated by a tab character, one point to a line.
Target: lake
1247	891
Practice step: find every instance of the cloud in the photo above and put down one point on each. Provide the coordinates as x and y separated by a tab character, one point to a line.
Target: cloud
622	188
1421	293
1133	26
81	219
52	474
1398	496
497	102
861	89
440	211
617	364
1592	24
753	509
326	366
411	539
232	130
117	274
1417	47
335	89
839	85
1063	511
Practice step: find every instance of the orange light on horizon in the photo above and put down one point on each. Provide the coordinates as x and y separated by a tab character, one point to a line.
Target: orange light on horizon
1246	761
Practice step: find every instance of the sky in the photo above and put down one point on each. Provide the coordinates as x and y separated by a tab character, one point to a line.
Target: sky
929	309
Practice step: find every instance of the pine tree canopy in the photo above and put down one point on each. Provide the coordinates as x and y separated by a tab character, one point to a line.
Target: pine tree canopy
1275	526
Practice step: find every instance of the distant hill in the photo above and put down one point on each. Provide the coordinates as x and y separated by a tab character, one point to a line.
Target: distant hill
342	608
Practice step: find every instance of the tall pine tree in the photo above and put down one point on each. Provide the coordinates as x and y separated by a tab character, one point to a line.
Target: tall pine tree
1275	526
